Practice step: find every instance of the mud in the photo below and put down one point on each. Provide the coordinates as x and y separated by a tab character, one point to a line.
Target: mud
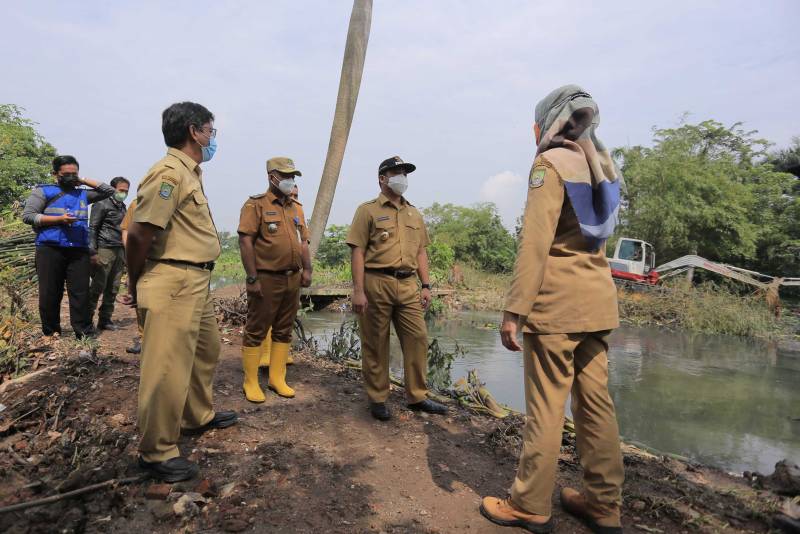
316	463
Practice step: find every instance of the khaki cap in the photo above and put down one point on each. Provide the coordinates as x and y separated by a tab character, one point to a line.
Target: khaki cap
282	164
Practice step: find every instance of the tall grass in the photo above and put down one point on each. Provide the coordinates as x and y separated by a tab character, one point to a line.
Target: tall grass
707	308
482	290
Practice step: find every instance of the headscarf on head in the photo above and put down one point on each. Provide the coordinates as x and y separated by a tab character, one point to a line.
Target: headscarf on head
567	119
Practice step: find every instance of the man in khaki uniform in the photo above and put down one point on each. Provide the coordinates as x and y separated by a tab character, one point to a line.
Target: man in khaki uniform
388	240
136	345
273	240
172	244
563	295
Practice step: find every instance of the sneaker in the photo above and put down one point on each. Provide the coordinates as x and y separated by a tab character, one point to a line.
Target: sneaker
575	504
504	513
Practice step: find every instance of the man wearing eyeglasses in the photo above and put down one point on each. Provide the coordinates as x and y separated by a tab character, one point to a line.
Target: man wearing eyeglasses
171	247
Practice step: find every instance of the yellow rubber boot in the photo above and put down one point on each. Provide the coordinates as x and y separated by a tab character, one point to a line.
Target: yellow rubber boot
252	391
277	370
266	349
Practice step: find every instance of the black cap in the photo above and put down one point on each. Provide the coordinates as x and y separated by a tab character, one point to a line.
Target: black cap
395	162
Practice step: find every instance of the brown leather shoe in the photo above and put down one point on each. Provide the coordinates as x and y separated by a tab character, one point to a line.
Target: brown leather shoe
574	503
504	513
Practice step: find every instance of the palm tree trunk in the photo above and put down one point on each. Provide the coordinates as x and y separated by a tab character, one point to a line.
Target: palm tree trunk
355	52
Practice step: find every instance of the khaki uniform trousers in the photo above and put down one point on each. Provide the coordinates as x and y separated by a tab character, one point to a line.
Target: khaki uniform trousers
180	349
555	365
106	277
276	308
396	301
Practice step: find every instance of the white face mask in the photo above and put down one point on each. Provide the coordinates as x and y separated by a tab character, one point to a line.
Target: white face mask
398	183
286	185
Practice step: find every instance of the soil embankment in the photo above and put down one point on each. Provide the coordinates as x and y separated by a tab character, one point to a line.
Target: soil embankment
317	463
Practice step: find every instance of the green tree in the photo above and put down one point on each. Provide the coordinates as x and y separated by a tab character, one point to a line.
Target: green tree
25	157
704	188
475	234
787	159
333	250
229	242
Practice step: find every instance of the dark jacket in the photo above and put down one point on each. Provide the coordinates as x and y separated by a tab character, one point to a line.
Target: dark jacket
104	221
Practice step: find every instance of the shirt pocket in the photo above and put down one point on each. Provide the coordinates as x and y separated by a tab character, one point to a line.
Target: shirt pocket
383	242
384	235
199	203
413	234
271	225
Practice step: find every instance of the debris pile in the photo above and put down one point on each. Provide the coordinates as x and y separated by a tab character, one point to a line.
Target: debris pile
54	443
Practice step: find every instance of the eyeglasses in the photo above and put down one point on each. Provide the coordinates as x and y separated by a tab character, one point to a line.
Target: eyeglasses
213	132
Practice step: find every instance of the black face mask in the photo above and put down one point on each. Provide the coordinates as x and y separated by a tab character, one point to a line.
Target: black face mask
68	180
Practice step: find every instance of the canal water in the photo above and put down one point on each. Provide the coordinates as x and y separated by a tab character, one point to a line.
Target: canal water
719	400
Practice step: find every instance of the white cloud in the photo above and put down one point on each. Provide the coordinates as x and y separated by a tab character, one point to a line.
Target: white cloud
507	190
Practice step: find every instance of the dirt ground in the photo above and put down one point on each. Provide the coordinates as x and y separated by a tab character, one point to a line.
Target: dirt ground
316	463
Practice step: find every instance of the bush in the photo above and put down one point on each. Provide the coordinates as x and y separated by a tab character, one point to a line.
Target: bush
333	250
440	260
475	234
707	308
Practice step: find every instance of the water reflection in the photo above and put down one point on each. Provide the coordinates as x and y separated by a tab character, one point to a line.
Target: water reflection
720	400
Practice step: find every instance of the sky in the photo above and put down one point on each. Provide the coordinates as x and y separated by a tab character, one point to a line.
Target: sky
448	85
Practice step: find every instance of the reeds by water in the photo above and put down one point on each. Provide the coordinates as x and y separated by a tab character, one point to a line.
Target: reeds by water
708	308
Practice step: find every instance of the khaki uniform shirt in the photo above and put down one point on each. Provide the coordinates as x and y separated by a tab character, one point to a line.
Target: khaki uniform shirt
171	197
559	286
390	237
279	228
126	220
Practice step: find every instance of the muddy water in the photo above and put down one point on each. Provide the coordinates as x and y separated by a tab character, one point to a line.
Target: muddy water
721	401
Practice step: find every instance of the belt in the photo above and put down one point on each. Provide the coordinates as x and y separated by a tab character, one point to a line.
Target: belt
392	272
207	266
286	272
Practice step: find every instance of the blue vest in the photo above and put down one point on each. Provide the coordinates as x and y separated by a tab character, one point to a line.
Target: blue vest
75	235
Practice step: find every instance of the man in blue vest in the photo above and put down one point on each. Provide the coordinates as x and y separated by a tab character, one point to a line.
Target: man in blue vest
59	214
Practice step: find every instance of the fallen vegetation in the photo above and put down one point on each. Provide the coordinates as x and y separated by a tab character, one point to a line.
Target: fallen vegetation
708	308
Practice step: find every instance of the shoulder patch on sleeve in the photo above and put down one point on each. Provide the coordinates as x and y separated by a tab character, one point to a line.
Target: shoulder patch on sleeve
165	191
262	195
536	178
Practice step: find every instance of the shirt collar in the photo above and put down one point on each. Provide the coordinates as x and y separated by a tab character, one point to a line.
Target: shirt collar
273	198
383	200
184	158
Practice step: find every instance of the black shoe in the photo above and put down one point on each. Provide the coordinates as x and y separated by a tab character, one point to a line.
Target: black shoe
379	411
173	470
107	325
428	406
135	348
220	420
89	332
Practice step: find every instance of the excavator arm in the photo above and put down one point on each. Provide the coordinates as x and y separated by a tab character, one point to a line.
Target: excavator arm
684	262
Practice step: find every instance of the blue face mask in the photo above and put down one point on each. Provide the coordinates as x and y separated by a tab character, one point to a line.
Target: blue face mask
210	149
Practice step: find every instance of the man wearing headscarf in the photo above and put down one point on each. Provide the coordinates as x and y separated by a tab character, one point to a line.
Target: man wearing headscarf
563	296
